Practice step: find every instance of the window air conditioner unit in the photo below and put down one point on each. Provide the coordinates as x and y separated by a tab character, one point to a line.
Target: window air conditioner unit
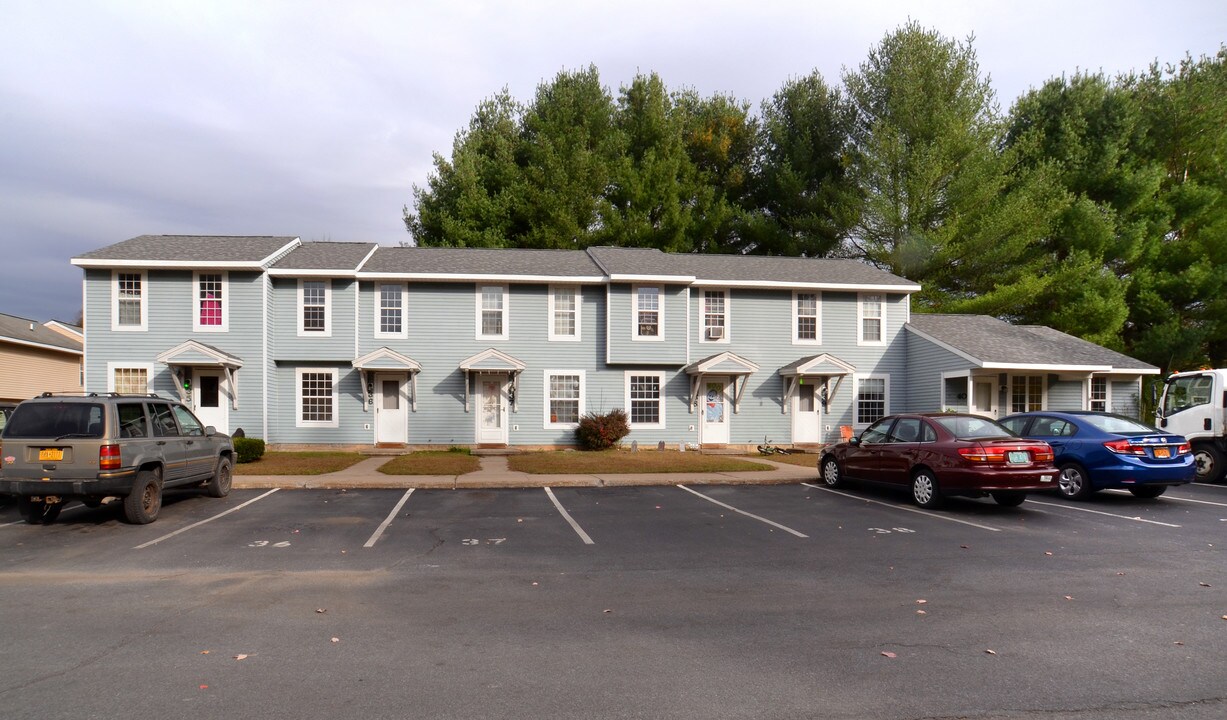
715	333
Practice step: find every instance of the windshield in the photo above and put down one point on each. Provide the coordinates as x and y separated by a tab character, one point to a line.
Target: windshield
973	428
1186	392
1117	424
55	420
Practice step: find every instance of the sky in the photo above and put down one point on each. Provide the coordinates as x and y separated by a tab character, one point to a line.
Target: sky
316	119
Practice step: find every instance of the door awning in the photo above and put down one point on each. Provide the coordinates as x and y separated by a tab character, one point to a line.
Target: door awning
193	354
815	369
386	359
492	362
723	364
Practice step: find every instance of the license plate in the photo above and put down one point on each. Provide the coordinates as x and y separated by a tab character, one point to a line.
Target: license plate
55	454
1018	456
1163	452
1045	478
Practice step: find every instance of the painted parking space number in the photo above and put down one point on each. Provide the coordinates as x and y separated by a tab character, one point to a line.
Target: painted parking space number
267	543
884	531
487	541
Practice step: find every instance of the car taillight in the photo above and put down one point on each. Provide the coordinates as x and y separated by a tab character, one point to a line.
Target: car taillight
980	454
1042	453
1184	449
108	457
1124	447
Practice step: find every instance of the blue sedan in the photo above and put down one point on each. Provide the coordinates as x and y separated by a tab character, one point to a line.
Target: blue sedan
1095	451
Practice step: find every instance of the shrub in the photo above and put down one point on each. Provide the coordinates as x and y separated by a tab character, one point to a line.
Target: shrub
599	432
248	449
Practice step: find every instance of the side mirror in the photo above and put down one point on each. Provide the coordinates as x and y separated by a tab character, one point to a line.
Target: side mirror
210	431
854	441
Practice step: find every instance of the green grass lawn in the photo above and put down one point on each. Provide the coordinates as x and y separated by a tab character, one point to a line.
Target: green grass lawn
624	461
809	460
433	462
299	463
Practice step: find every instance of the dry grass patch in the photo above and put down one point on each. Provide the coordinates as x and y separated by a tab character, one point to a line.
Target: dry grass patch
431	462
299	463
809	460
624	461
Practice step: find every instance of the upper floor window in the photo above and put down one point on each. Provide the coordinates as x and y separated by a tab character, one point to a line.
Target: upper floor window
1026	393
211	296
492	312
128	301
390	311
314	304
1099	394
715	316
805	318
564	312
648	324
872	311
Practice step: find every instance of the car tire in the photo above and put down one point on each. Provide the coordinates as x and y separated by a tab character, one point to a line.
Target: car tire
219	485
1148	491
1209	463
1010	498
831	474
143	504
925	491
38	512
1074	483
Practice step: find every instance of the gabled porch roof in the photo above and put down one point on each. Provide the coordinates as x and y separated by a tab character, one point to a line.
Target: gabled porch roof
725	363
493	361
193	354
386	358
823	366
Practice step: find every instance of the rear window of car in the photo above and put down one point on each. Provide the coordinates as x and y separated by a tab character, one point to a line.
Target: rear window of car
56	420
973	428
1117	424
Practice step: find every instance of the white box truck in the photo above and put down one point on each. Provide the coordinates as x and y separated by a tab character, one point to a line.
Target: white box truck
1194	404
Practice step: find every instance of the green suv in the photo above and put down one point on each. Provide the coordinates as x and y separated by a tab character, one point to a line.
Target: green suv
56	447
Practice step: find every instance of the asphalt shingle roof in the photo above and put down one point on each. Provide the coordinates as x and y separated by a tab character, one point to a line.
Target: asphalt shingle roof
743	268
23	329
990	340
325	256
191	248
482	261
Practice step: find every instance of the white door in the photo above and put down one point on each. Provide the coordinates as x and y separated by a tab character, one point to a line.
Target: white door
716	409
806	414
210	399
984	397
492	409
390	417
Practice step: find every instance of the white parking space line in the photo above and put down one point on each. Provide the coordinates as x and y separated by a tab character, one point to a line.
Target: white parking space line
1178	499
567	516
894	506
1100	512
743	512
167	536
1204	485
388	520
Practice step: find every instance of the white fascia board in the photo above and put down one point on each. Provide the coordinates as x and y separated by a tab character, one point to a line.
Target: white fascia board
280	253
672	279
1044	367
944	346
303	272
169	264
470	277
39	345
368	256
65	328
849	287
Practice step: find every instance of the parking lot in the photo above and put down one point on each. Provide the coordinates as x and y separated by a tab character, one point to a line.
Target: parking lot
673	601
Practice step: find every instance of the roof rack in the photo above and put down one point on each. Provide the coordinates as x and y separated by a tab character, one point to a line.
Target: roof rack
79	393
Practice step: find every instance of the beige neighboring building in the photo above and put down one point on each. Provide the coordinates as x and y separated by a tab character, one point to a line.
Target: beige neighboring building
38	357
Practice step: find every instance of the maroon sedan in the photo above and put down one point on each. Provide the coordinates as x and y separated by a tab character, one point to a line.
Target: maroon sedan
939	454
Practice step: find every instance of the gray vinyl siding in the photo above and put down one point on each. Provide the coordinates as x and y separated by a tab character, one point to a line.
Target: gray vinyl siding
284	321
1125	396
1065	394
926	361
624	349
169	307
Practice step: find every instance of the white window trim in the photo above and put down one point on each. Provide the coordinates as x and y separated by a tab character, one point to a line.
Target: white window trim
477	333
404	311
857	378
1107	400
327	331
113	366
578	297
626	396
860	319
796	340
336	408
728	316
196	301
144	326
660	314
1009	393
545	394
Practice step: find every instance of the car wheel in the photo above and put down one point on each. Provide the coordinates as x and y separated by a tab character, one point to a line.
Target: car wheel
1074	483
1209	463
219	485
38	512
143	504
1148	491
830	473
1010	498
925	492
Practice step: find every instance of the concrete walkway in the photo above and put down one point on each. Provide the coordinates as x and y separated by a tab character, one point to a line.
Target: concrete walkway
494	473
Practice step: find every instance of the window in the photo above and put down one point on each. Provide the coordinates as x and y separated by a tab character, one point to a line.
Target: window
1027	393
1051	427
871	399
131	420
644	399
564	397
1099	394
492	312
130	378
564	312
187	421
317	398
647	313
128	302
877	432
1187	392
805	318
872	310
211	293
715	316
163	420
390	310
907	430
315	303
